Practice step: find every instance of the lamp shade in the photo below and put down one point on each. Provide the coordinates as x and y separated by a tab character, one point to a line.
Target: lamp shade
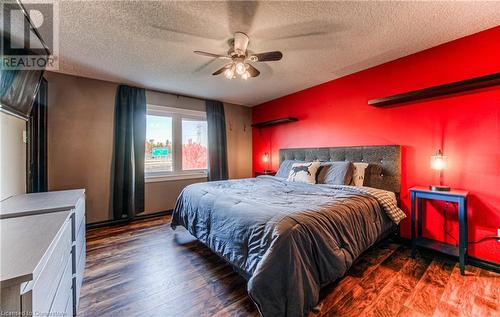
439	161
265	157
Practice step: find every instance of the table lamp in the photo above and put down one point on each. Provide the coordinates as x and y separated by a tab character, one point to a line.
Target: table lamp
439	162
265	159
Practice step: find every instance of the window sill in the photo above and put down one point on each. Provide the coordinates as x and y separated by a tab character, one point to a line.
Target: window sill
175	177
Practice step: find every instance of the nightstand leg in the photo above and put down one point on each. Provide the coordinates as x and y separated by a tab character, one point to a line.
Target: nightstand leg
413	237
462	244
420	204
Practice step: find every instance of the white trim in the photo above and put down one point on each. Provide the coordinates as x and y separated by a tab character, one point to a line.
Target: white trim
177	115
174	177
180	111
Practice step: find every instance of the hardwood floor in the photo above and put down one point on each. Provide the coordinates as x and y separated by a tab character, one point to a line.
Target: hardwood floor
147	269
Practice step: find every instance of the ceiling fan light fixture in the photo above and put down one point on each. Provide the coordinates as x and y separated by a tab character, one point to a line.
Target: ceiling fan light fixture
229	73
240	68
241	59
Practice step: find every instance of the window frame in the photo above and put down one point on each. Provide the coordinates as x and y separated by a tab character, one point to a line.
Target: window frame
177	114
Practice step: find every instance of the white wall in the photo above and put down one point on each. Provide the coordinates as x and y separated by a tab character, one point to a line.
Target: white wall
12	156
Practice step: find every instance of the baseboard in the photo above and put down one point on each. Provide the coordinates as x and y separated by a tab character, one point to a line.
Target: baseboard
484	264
108	223
487	265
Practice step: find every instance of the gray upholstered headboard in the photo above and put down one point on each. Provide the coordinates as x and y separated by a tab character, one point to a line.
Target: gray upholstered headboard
384	160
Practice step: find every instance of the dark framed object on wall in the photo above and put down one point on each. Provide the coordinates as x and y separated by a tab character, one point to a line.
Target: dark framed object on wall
36	152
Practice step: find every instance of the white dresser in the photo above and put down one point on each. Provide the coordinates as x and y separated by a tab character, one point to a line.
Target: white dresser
42	253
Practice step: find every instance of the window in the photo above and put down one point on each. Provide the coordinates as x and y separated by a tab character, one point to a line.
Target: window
176	143
194	144
159	150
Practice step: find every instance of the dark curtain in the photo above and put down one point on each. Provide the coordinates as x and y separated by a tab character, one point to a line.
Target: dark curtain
217	148
37	142
128	152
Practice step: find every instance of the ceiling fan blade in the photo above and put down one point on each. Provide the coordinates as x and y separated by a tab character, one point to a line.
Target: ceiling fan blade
211	55
217	72
267	57
240	42
254	72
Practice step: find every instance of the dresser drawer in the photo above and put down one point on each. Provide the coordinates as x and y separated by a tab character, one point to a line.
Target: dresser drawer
80	215
78	279
79	248
80	241
79	254
46	282
63	293
68	310
80	267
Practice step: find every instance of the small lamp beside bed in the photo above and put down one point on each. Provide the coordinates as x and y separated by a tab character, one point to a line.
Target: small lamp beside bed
266	159
439	162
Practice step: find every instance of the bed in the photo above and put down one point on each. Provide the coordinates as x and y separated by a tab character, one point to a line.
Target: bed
291	239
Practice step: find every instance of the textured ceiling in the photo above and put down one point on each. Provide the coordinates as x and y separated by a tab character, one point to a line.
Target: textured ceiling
150	43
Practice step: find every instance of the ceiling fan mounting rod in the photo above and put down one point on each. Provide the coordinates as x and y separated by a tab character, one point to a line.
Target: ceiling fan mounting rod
240	43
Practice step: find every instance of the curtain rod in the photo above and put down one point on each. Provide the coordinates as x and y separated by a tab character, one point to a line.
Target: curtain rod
174	94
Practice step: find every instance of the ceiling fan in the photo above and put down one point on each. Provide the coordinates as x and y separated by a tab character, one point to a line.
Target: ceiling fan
241	58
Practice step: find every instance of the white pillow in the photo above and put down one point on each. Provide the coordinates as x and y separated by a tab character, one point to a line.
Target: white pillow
358	176
304	172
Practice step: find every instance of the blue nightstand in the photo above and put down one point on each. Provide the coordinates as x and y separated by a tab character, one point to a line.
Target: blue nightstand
418	195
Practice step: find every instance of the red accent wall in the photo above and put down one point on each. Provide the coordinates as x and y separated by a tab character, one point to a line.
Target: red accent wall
466	126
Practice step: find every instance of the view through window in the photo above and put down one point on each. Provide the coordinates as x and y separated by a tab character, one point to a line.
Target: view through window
194	144
176	142
159	150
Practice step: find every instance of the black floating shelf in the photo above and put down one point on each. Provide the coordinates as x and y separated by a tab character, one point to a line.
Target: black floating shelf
274	122
436	91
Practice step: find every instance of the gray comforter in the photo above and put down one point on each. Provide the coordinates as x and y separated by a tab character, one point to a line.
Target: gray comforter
287	239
